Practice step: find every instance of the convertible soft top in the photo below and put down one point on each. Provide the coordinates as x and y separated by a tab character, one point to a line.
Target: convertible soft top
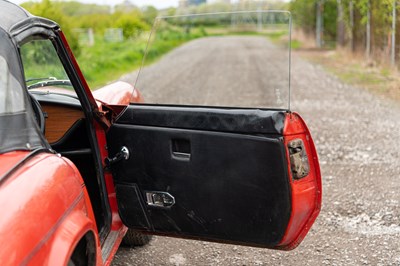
18	128
11	14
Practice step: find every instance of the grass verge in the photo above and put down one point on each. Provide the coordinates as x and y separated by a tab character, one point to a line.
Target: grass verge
379	79
104	62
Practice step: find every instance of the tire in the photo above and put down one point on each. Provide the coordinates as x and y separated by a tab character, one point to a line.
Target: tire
84	253
135	239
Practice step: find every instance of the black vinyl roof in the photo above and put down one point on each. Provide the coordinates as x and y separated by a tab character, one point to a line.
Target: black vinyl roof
15	18
18	128
11	14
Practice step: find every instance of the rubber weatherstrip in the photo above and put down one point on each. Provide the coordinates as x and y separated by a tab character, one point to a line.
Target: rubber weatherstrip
21	163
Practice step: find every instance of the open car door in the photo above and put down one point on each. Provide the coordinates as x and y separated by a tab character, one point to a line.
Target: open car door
238	175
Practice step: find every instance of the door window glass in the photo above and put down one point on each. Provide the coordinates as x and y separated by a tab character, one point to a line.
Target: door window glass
239	59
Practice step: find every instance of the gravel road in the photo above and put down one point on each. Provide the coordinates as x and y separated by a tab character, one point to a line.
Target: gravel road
357	135
214	70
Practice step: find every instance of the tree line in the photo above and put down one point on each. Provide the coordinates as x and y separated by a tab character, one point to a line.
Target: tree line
72	14
363	26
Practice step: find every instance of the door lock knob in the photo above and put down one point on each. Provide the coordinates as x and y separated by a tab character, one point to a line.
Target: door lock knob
123	154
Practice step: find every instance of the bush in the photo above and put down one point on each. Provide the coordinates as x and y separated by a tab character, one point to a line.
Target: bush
54	12
131	24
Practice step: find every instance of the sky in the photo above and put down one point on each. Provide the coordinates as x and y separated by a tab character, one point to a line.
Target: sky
156	3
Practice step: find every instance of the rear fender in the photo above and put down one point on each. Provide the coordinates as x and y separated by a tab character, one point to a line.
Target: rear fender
67	236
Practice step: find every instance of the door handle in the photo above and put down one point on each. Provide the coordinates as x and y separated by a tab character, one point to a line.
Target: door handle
160	199
181	149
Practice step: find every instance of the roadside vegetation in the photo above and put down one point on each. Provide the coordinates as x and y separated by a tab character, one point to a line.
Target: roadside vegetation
357	40
101	60
105	59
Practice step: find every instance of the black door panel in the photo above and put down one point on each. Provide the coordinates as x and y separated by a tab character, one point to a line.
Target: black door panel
227	185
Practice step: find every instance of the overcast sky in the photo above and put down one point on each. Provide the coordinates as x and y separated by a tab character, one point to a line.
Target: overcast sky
156	3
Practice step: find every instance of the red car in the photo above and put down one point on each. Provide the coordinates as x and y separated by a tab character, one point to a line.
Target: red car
78	168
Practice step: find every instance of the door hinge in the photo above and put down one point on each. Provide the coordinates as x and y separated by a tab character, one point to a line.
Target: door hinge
123	154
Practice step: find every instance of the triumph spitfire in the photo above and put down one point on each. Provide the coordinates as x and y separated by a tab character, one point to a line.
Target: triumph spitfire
81	171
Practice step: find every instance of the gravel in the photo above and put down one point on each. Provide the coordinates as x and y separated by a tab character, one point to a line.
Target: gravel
357	135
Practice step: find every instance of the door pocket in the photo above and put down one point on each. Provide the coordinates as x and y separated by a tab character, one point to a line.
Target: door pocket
131	207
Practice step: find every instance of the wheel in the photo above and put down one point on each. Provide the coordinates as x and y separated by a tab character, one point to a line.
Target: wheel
84	253
135	239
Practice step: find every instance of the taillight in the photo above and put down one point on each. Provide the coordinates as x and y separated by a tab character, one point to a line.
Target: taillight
304	179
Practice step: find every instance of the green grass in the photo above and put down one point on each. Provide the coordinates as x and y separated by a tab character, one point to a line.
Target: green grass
357	74
296	44
104	61
276	35
378	79
385	71
281	38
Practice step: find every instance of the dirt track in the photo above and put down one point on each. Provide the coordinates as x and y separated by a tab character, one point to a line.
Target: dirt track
358	139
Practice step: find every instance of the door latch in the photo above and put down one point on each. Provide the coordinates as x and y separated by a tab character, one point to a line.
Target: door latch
160	199
123	154
298	159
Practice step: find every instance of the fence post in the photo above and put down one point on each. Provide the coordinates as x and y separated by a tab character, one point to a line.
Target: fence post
368	40
340	35
351	10
90	37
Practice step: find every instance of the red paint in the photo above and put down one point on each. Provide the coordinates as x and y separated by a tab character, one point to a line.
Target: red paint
116	96
44	210
78	71
10	159
118	93
306	192
116	223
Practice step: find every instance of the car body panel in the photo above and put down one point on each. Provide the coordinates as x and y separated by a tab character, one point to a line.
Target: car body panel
36	212
10	160
118	93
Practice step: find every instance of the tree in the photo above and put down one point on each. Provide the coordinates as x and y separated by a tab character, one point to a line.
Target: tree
304	14
341	27
393	44
149	14
317	18
130	23
54	12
